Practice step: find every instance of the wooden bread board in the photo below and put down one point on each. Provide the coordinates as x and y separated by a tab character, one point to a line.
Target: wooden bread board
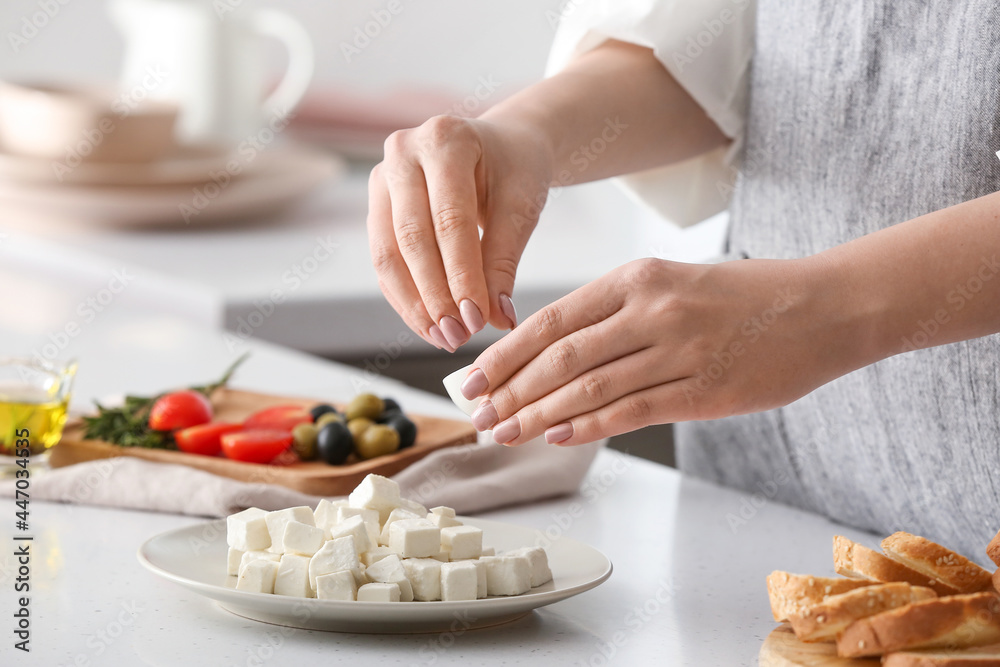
783	649
312	477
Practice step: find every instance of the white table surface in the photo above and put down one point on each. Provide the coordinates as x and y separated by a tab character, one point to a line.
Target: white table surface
687	589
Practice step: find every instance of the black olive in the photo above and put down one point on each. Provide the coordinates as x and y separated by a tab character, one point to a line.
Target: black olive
406	429
388	415
390	405
334	443
321	410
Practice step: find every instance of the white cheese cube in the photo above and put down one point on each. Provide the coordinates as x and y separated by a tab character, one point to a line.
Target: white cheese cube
356	527
336	555
251	556
488	551
459	581
443	521
481	589
413	506
441	556
539	562
390	570
462	542
325	514
247	530
415	538
507	575
376	493
395	515
371	521
302	539
337	586
425	577
374	555
293	577
276	524
258	577
233	560
378	592
443	511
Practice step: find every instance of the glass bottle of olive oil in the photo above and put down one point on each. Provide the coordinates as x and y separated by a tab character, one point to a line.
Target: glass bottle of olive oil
33	397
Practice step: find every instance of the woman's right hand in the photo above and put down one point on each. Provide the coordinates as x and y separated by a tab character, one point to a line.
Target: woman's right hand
437	186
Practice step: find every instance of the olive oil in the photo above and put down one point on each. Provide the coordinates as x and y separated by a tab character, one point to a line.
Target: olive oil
32	409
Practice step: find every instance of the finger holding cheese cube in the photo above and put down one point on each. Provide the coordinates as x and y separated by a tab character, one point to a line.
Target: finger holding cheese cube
415	538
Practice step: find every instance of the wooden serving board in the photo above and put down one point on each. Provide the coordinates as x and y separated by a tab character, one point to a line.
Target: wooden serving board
312	477
783	649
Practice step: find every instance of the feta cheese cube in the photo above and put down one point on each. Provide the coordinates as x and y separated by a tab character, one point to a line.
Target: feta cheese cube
258	577
325	514
370	517
337	586
395	515
250	556
293	577
507	575
441	556
462	542
539	562
247	530
356	527
413	506
301	539
336	555
374	555
425	577
233	560
390	570
443	521
414	538
441	510
481	589
377	493
378	592
459	580
276	524
488	551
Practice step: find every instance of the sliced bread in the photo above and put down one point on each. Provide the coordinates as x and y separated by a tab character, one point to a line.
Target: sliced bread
959	621
824	621
790	594
858	561
985	656
993	549
937	562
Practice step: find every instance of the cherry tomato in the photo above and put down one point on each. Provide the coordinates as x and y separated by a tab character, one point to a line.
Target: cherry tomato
280	417
180	409
205	439
255	446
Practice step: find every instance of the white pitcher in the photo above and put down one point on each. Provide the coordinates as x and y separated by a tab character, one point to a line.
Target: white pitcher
205	55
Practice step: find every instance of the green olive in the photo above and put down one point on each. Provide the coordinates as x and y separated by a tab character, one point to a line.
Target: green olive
328	417
368	406
358	426
377	440
304	440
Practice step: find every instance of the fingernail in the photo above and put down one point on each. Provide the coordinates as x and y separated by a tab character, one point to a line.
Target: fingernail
507	308
485	416
474	384
453	331
559	433
471	315
439	338
507	430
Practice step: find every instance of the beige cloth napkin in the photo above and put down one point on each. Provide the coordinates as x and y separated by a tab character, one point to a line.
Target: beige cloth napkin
470	478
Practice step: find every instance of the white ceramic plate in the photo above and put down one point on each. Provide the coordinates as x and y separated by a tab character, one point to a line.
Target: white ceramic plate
195	557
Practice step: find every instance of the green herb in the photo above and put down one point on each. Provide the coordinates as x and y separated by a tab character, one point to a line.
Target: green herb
128	425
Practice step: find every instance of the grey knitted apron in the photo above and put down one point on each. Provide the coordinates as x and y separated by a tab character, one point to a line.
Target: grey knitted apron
864	114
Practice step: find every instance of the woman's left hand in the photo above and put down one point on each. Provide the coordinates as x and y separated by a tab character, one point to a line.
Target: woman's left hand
657	342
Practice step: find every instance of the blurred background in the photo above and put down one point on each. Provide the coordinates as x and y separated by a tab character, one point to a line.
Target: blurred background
215	155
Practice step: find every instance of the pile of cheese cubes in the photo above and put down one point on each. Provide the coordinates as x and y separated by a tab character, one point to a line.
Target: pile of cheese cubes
377	547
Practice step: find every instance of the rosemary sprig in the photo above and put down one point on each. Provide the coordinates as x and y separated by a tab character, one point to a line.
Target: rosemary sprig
128	425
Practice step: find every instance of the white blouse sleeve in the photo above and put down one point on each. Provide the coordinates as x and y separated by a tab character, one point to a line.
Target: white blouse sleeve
707	46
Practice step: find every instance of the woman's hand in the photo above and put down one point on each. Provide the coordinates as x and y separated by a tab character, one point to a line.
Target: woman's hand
659	342
438	185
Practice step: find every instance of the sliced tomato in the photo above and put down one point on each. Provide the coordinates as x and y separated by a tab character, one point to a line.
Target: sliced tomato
180	409
255	446
205	439
280	417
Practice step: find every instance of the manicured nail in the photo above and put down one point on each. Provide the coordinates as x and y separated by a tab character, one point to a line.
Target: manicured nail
453	331
485	416
471	315
507	308
507	430
439	338
474	384
559	433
